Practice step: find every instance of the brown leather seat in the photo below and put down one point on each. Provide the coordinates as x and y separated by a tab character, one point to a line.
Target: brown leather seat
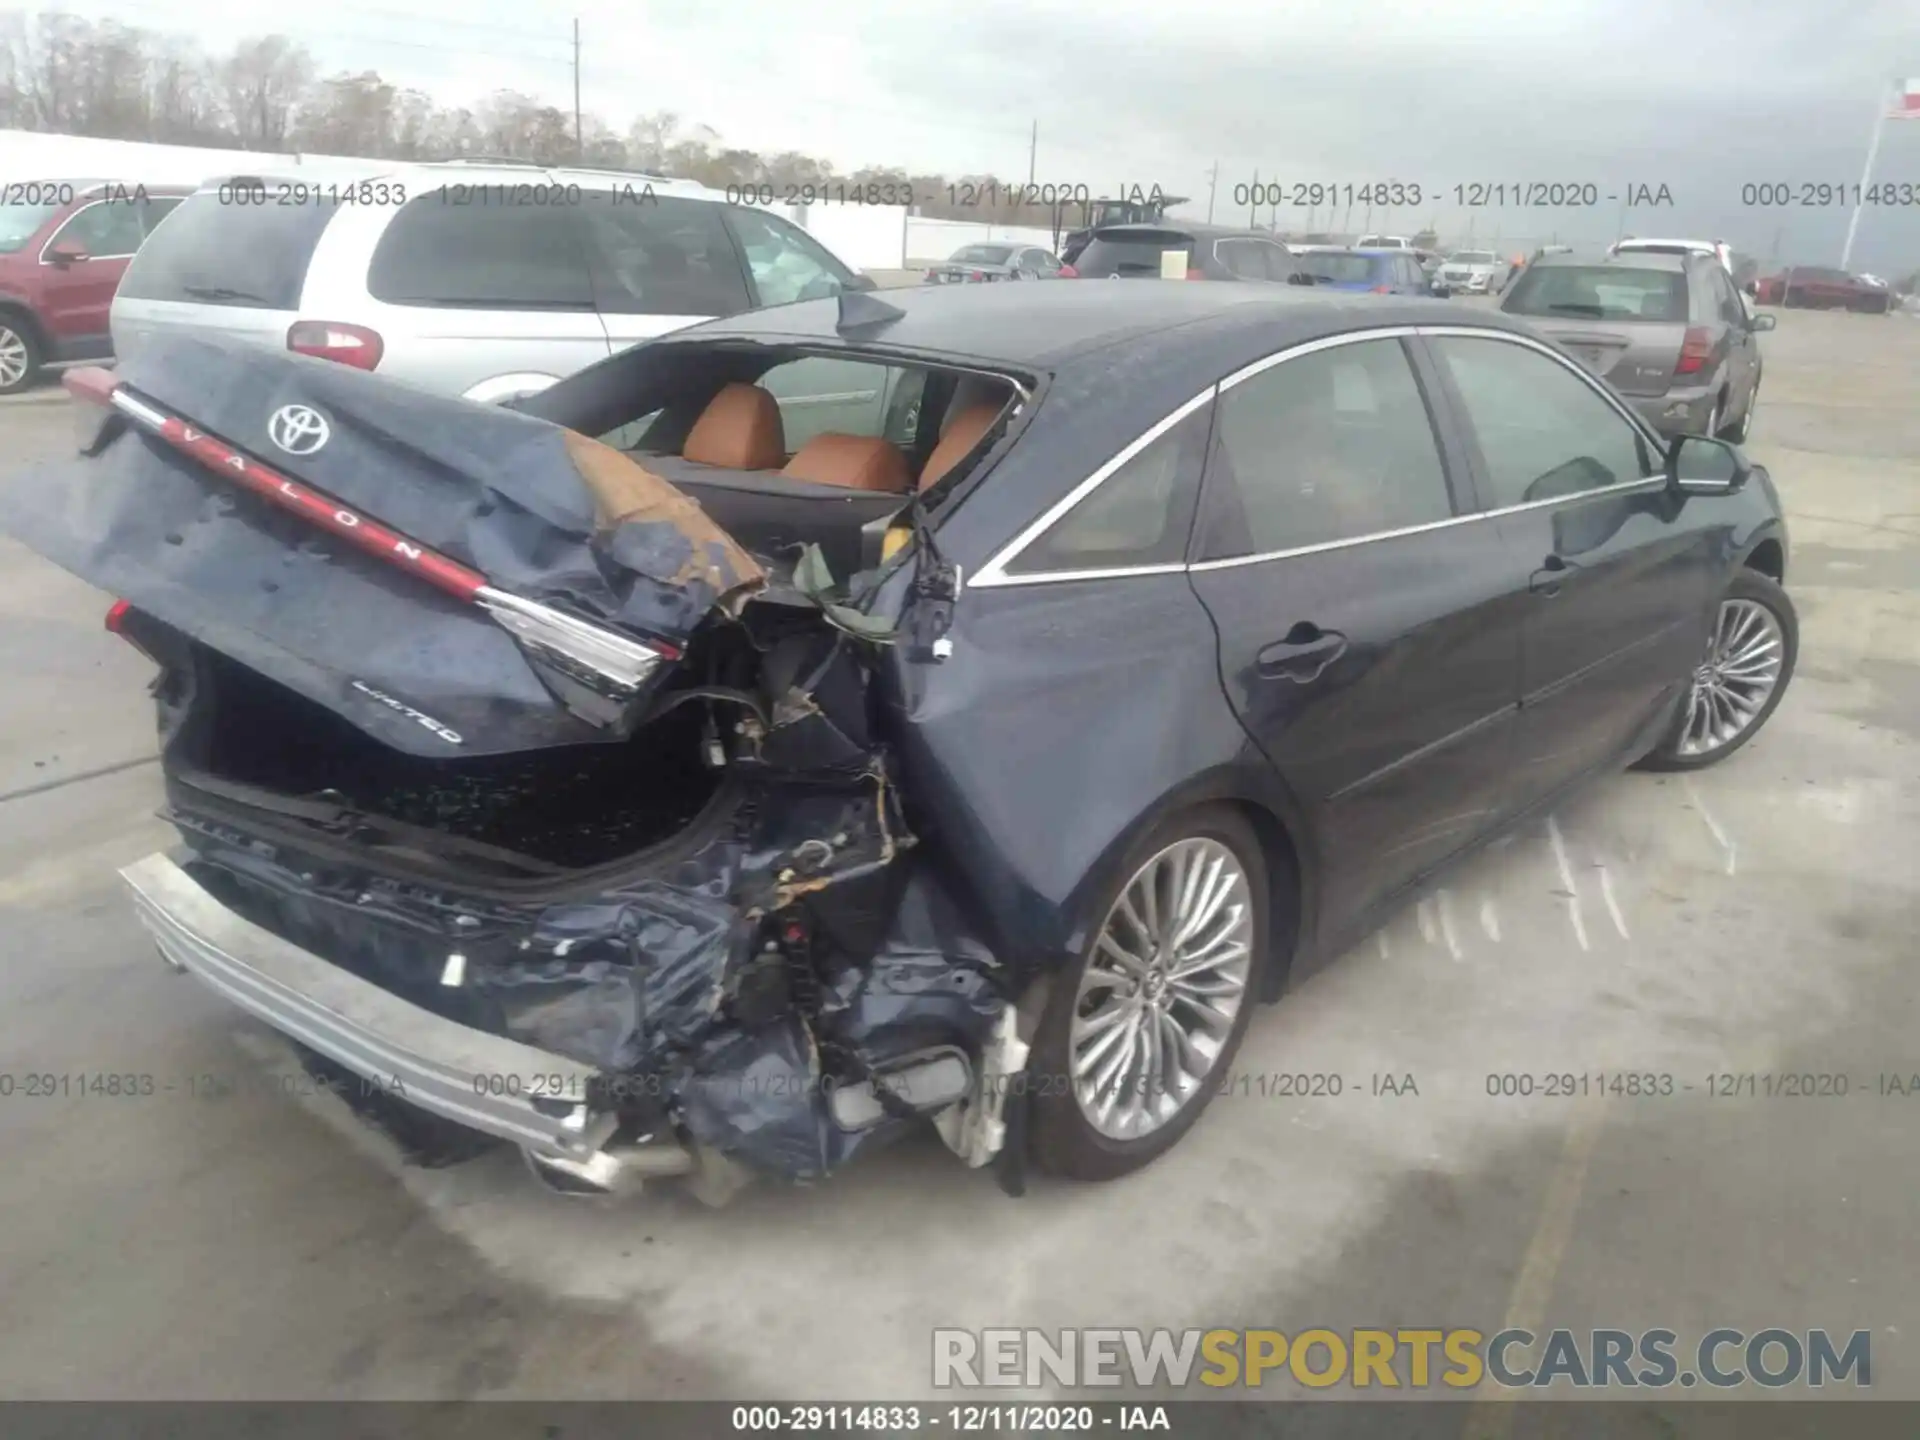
740	429
860	462
960	434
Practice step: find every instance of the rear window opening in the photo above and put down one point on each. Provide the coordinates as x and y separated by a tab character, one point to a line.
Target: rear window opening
1600	292
796	448
214	253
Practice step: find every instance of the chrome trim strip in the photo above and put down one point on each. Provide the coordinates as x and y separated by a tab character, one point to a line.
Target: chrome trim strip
1314	347
122	399
426	1059
993	573
1624	487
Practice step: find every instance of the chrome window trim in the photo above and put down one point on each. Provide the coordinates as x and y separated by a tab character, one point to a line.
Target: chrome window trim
993	574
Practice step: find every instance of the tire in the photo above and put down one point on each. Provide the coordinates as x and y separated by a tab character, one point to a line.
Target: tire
1748	588
1738	434
1065	1140
20	356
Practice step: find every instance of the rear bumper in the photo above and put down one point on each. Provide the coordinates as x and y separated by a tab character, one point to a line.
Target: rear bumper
1678	412
533	1098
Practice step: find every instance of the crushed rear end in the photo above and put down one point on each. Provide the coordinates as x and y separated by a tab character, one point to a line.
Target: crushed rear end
524	801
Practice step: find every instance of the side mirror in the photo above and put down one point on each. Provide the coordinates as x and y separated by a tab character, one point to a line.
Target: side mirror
66	253
862	282
1699	465
1763	322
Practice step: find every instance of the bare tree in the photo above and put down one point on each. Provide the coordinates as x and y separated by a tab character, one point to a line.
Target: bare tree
265	80
649	139
349	115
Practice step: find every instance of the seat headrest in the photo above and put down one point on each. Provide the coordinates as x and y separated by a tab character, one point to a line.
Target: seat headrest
959	433
859	462
740	429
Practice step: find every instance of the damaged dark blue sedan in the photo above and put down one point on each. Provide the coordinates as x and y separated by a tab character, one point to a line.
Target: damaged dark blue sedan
951	708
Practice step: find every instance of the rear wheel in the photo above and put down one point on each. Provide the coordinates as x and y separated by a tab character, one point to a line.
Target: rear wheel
1749	660
19	356
1137	1036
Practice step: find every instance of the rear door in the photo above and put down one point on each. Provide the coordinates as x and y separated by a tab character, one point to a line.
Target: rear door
1618	582
1733	337
1369	636
76	296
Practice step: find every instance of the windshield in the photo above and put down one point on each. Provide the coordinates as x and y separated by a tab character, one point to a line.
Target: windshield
981	255
1600	292
1337	266
19	222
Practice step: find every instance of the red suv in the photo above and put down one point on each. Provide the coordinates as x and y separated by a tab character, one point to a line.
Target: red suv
63	246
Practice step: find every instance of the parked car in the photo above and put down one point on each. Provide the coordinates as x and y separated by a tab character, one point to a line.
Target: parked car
1474	272
755	853
488	281
1210	252
1668	331
1383	242
1816	287
1719	250
64	244
1380	272
973	264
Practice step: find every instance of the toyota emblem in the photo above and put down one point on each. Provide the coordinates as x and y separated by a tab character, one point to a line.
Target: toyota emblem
298	429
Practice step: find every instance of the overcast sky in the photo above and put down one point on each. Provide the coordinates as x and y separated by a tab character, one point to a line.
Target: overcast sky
1702	97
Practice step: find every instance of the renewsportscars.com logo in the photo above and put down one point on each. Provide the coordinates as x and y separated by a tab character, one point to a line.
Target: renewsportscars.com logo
1399	1359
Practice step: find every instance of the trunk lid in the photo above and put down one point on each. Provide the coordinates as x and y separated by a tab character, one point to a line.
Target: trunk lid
1635	358
584	552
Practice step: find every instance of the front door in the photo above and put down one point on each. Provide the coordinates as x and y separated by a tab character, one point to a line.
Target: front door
1618	584
1369	632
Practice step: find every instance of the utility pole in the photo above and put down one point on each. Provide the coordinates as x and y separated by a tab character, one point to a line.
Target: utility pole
1033	152
1213	179
579	148
1253	211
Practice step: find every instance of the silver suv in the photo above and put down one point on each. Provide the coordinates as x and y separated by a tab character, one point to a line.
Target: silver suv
488	281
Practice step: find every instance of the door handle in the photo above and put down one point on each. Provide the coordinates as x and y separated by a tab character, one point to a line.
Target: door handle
1547	579
1303	654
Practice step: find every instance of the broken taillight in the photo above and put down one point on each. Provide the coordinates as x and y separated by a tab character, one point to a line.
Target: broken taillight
1694	350
353	345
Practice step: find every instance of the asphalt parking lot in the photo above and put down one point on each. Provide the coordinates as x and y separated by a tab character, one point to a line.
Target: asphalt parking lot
227	1238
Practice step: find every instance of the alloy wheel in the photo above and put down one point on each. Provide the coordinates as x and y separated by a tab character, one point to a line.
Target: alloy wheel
13	356
1732	686
1160	993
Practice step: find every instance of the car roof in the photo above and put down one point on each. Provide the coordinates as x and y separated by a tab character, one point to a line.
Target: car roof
1642	241
1198	327
1185	227
1630	260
